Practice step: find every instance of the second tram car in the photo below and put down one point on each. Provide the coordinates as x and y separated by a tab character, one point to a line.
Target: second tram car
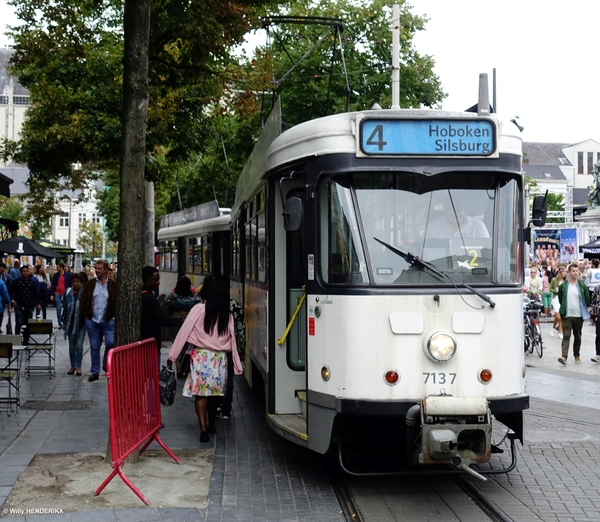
379	257
194	242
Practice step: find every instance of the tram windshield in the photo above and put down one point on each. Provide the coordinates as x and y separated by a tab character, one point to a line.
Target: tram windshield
463	224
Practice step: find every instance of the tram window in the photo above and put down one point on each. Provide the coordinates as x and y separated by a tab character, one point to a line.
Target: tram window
464	223
248	238
254	231
197	255
343	261
162	249
262	248
173	256
190	255
207	241
235	254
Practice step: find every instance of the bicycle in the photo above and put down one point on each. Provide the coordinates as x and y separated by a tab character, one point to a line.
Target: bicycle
533	333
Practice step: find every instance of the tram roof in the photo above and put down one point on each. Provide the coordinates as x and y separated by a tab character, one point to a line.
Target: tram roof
217	224
336	134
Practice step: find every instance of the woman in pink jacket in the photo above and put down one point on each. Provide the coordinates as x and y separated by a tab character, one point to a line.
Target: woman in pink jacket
206	334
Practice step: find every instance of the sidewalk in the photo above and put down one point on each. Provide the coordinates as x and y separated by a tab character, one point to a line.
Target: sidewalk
552	351
256	475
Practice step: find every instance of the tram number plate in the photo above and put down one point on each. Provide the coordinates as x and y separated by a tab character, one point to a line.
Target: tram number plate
439	378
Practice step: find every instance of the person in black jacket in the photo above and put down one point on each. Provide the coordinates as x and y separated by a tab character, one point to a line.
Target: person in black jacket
153	316
25	298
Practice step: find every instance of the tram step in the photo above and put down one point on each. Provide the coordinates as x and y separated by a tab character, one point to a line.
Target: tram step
289	424
301	394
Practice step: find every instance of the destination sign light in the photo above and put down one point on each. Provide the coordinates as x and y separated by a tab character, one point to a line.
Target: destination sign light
427	137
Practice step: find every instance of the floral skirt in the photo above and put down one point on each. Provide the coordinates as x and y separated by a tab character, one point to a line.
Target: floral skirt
208	373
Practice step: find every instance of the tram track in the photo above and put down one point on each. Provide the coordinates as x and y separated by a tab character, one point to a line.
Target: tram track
350	507
481	499
563	419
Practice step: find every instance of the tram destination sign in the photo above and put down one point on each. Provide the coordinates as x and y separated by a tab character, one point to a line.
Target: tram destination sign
440	137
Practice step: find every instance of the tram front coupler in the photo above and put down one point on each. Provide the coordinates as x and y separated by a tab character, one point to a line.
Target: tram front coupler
454	430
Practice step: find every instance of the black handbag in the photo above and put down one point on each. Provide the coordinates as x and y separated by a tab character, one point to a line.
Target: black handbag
168	386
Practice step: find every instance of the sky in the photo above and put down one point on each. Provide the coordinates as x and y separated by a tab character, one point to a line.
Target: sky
544	53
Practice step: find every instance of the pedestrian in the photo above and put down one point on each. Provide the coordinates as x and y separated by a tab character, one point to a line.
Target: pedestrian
6	279
44	288
98	305
240	340
153	317
561	276
4	301
534	288
207	334
61	280
4	276
178	304
546	293
24	298
73	323
595	317
15	271
574	298
592	276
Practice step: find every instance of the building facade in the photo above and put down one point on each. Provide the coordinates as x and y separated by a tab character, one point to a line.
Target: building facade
74	210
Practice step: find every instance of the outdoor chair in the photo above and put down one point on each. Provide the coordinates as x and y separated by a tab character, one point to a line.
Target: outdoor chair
40	347
9	378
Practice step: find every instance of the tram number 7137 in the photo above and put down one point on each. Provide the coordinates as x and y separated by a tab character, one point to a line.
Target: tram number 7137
439	378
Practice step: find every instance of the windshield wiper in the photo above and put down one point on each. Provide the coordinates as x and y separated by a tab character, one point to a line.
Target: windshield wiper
419	264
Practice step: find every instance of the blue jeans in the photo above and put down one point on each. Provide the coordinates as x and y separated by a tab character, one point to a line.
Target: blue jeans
58	304
76	347
96	331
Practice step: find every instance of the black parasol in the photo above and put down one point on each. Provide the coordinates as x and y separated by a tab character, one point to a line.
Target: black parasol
23	246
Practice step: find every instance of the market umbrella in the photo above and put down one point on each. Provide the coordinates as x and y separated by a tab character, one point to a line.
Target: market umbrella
591	248
57	247
23	246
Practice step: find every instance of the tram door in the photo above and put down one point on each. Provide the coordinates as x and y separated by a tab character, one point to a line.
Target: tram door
291	355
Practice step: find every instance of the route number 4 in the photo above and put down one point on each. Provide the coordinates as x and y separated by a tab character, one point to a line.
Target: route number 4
376	137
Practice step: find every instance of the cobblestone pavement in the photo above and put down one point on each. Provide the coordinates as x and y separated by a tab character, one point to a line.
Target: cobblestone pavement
259	476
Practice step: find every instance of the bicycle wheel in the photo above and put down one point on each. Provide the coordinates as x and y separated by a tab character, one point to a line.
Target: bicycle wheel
527	340
537	341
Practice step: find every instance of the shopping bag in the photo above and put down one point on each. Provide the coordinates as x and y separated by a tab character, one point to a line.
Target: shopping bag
167	383
9	328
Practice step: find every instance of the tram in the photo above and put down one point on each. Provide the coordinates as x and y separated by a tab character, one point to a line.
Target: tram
193	242
379	258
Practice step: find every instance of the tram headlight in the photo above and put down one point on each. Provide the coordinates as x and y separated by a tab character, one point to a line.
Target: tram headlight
440	347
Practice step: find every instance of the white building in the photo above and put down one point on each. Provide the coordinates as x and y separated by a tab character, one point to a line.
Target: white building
14	101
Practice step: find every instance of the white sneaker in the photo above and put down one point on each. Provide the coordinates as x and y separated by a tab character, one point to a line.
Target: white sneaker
596	359
552	332
560	336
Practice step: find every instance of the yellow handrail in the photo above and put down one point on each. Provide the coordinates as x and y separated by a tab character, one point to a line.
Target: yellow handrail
289	327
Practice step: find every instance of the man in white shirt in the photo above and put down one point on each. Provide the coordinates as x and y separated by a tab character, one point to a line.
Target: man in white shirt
574	298
592	276
456	223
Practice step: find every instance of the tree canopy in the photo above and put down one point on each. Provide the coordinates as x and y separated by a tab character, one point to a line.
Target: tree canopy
206	102
68	54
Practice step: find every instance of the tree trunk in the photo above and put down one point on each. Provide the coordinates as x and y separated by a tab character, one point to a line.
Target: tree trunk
133	162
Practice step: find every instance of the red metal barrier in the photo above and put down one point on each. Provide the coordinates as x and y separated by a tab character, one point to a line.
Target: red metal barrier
133	405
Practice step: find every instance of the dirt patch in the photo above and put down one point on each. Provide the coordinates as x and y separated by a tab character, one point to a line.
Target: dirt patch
68	482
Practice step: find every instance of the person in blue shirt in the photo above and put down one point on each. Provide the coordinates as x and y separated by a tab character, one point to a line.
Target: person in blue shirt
4	301
15	271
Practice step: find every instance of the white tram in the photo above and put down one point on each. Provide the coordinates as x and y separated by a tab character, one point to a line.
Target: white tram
193	242
379	258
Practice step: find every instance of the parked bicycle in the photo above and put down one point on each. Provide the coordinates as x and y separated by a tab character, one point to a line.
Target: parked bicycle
531	324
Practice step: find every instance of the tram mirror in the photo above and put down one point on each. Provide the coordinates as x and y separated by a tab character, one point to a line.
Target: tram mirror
292	214
538	213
